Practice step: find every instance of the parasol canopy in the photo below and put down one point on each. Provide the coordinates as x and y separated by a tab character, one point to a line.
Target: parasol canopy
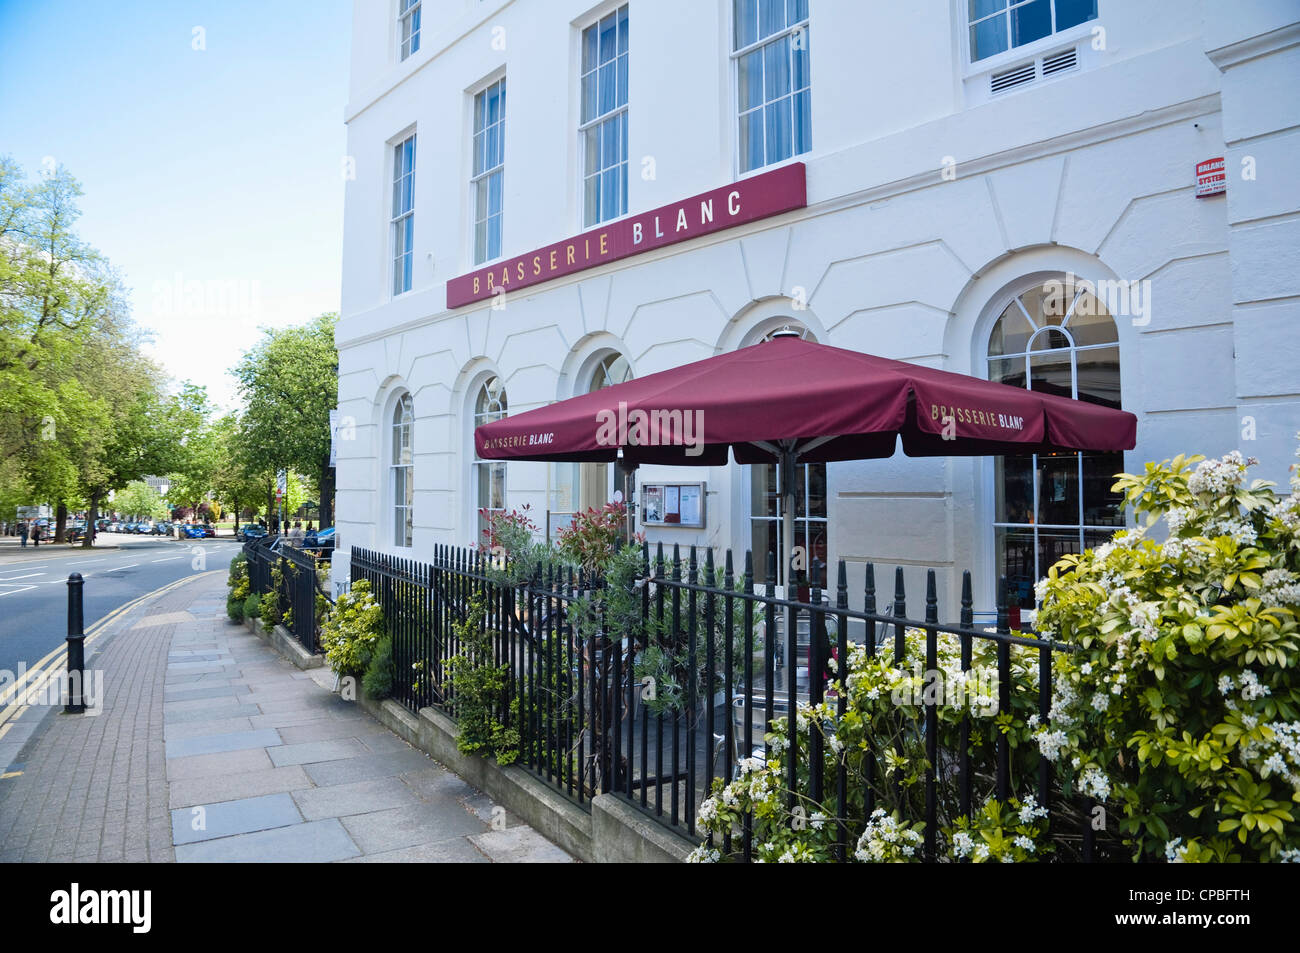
789	401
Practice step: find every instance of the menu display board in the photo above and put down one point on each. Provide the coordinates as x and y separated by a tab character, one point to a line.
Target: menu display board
673	504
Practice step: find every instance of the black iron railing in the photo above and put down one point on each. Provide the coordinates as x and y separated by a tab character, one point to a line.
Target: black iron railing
656	704
300	594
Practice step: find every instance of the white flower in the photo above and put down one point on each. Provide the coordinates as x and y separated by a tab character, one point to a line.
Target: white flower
1024	843
708	810
1050	743
1094	784
703	855
1251	687
1172	852
1030	811
817	820
962	844
1177	518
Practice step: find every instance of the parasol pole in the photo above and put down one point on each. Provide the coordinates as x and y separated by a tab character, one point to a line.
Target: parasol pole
787	465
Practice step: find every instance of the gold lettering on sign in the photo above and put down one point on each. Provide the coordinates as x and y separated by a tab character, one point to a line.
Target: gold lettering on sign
569	254
604	249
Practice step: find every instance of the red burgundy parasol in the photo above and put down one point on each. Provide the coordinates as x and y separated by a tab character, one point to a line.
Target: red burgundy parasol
791	401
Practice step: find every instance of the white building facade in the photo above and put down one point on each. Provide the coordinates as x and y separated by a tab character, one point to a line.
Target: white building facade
960	157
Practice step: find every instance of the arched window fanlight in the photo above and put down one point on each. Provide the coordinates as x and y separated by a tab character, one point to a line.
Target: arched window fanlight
402	467
1055	338
489	475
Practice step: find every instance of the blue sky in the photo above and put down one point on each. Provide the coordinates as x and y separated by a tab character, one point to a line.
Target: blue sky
213	170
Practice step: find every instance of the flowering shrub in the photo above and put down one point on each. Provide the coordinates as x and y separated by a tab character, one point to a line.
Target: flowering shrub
1178	711
352	631
879	742
1183	708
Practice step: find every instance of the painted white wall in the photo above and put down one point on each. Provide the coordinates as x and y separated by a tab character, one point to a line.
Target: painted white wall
1090	172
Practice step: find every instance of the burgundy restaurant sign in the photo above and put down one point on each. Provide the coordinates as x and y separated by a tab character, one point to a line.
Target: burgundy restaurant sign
760	196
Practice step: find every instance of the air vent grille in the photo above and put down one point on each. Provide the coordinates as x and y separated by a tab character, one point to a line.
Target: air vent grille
1013	77
1026	73
1059	62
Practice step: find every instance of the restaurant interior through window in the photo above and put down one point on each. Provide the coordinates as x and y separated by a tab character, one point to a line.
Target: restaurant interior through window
1054	338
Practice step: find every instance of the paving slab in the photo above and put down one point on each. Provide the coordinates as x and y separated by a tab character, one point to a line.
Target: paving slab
519	845
231	741
208	789
195	729
365	767
310	752
312	842
458	850
424	823
359	797
210	821
227	762
330	729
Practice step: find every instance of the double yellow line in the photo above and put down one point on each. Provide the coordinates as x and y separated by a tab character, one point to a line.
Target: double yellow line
38	676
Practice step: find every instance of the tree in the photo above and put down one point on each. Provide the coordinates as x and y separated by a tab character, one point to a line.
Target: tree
58	299
236	481
289	383
198	456
138	498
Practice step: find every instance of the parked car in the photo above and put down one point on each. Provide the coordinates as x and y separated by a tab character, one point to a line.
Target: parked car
321	542
250	531
192	531
209	531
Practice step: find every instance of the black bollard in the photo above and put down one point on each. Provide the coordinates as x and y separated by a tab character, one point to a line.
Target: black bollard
76	648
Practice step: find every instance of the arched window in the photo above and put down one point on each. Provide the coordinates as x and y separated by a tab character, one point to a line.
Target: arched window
489	475
596	481
401	464
766	508
1054	338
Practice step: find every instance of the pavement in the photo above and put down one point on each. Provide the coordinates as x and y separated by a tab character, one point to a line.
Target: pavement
34	591
210	747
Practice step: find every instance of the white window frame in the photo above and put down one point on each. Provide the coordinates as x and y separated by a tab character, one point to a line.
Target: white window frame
402	432
593	124
408	46
735	56
482	179
477	419
404	218
1014	54
1082	528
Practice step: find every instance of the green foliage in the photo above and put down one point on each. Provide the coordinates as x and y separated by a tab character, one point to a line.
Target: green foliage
1182	708
82	410
139	499
289	382
664	661
252	606
589	541
509	542
1178	712
378	680
351	633
270	612
479	691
